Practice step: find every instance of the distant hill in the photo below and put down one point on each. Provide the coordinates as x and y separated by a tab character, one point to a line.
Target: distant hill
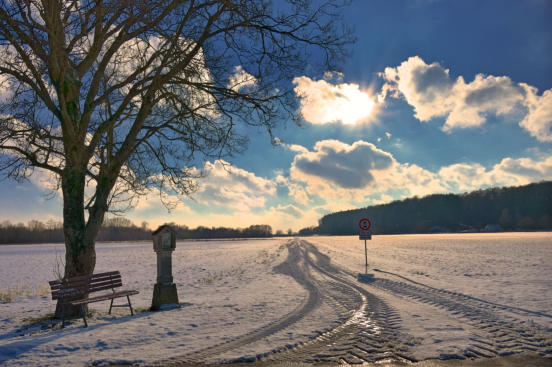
523	208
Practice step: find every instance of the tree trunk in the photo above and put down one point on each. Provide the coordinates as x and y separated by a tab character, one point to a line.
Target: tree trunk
80	252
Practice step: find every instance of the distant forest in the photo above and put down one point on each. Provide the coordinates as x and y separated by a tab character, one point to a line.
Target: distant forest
120	229
523	208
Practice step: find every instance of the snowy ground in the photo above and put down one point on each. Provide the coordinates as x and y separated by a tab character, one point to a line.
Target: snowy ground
507	275
435	296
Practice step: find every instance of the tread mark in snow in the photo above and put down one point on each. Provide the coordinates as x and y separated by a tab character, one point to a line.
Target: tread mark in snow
369	330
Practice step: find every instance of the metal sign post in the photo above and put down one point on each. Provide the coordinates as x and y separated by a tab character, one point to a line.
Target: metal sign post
366	257
364	224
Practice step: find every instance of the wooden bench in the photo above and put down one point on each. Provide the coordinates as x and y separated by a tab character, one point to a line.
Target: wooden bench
74	291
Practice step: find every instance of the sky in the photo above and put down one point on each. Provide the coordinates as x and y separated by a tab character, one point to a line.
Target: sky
436	96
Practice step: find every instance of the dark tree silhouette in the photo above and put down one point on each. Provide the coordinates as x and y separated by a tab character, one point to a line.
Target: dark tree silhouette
115	97
526	207
120	229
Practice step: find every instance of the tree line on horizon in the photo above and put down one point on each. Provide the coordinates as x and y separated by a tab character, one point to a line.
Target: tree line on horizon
120	229
521	208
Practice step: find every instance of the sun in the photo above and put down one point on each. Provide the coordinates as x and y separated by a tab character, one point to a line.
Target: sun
355	105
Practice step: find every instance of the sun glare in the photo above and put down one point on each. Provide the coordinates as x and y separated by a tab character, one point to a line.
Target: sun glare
354	106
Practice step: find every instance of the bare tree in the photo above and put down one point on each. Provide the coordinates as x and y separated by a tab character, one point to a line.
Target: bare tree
116	97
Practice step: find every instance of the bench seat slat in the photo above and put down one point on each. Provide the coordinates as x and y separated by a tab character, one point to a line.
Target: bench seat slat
67	294
76	294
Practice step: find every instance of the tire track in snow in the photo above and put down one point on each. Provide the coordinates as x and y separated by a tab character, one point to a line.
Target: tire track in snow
293	266
368	332
483	303
498	334
369	329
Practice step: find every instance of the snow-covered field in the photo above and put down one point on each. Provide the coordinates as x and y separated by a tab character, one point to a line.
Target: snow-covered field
513	269
439	295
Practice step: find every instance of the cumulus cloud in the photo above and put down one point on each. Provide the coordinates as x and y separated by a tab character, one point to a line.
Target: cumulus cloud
292	189
323	102
290	209
232	187
232	195
362	174
223	186
426	87
539	119
411	180
464	176
296	148
358	173
510	171
334	176
383	199
347	166
433	93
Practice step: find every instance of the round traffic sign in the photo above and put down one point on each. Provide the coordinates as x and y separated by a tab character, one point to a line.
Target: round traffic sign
365	224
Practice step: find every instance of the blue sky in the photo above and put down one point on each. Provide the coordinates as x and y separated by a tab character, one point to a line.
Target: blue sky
436	96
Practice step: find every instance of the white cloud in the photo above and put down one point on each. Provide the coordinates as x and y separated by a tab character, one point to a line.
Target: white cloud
323	102
357	174
290	209
151	207
232	195
6	88
362	174
335	76
343	165
485	94
464	176
294	190
241	79
383	199
228	186
411	180
426	87
433	93
539	119
296	148
509	172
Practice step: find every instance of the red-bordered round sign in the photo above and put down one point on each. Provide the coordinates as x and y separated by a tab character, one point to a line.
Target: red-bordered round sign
365	224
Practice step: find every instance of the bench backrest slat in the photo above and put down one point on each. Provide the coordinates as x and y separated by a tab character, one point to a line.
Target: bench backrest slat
58	284
78	286
89	277
106	285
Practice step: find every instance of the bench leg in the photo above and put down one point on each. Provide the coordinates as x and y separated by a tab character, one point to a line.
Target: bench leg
83	312
129	305
111	306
